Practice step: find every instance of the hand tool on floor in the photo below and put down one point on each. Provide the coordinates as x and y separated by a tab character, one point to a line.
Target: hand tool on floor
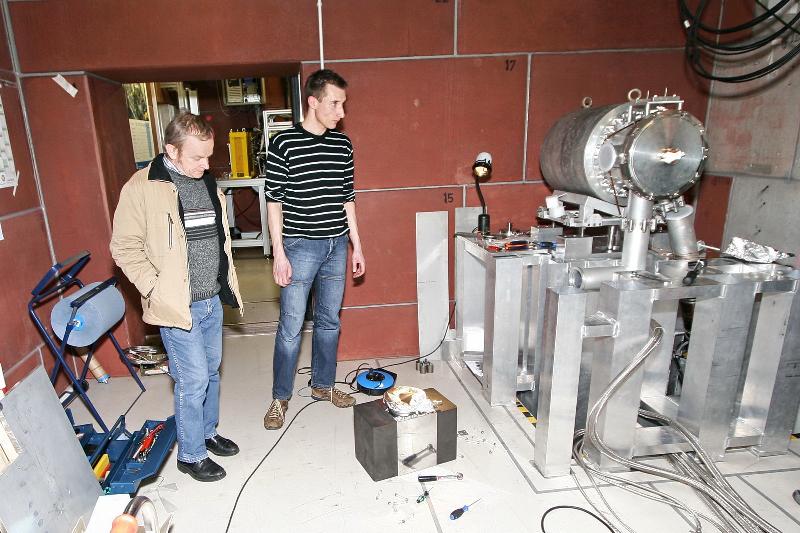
458	512
424	479
422	497
147	442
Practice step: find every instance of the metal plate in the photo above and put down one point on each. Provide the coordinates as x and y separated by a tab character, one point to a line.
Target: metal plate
50	486
665	154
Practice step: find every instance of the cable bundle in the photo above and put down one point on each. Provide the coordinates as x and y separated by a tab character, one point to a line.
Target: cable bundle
731	513
702	41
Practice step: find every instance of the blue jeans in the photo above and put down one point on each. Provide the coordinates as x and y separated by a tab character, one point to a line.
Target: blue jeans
320	263
194	359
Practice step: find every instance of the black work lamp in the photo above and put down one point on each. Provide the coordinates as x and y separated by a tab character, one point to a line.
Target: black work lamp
482	171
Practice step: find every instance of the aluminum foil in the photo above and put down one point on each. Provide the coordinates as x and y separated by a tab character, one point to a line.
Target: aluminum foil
403	401
753	252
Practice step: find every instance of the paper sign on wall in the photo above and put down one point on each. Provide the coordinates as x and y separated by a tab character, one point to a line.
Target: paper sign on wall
8	173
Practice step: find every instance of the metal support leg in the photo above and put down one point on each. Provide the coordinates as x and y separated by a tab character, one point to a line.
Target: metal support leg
631	307
501	329
559	372
708	397
538	281
470	287
774	367
124	359
656	369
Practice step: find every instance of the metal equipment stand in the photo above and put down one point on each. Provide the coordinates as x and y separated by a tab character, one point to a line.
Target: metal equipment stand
121	459
494	317
57	280
741	385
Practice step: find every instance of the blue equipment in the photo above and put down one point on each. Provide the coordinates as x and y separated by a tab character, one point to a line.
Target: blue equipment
84	318
374	382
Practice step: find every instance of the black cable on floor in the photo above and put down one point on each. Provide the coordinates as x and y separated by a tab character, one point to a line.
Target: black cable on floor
446	329
246	481
556	507
365	366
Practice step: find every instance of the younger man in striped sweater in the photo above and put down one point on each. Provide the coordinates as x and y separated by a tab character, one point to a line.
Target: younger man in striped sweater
312	217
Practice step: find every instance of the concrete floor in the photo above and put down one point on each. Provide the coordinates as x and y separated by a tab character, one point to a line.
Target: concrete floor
312	481
260	294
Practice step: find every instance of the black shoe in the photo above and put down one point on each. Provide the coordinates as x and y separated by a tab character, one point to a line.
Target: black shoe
203	470
219	445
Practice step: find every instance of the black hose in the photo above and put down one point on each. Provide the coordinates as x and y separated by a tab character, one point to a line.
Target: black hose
699	50
556	507
686	14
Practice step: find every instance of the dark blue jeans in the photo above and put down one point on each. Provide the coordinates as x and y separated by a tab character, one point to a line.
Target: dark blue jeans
321	264
194	359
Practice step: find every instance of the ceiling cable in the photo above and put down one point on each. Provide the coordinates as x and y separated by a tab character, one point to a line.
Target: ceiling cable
702	49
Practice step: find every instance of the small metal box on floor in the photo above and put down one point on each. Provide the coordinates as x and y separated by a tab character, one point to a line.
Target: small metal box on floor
387	447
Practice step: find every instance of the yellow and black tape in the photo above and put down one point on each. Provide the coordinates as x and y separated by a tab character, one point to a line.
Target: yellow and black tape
526	413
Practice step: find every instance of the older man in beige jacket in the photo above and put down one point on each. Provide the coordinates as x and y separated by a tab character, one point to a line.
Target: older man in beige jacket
170	240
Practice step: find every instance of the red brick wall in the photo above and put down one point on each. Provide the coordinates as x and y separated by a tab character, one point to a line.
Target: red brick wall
432	83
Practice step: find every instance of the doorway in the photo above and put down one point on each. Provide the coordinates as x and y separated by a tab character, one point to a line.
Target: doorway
244	110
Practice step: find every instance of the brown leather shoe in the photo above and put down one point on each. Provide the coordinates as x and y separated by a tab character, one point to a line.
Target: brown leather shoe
275	414
335	396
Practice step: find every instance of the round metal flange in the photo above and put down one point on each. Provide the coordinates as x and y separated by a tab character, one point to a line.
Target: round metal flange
665	154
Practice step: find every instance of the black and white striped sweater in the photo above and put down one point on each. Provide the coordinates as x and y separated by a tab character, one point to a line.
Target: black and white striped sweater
312	176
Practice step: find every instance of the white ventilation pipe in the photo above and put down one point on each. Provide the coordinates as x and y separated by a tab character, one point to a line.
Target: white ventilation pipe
319	21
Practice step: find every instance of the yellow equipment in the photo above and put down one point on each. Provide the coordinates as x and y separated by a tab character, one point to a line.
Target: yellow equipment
241	153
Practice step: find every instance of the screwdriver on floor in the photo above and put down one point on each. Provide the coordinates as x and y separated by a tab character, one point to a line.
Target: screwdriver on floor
458	512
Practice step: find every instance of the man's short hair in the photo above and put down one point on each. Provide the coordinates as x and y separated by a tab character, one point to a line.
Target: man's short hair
185	124
316	82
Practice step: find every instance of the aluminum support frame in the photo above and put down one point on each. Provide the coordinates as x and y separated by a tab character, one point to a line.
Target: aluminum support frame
503	305
498	318
656	369
732	314
562	342
774	367
714	365
470	287
629	302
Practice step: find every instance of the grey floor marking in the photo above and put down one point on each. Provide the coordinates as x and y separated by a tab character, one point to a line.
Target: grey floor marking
770	500
678	511
757	472
575	489
516	421
496	434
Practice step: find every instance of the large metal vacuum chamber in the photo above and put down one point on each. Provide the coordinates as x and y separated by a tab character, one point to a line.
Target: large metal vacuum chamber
561	317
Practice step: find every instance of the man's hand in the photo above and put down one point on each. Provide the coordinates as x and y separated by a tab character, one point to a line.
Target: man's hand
281	270
359	265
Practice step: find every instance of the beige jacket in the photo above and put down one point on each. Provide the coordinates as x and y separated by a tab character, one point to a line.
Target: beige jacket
148	243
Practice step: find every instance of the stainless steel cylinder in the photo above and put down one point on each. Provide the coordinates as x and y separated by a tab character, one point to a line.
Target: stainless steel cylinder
639	146
590	278
571	156
682	237
636	230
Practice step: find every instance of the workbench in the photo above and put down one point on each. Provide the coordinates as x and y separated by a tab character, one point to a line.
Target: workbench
248	238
